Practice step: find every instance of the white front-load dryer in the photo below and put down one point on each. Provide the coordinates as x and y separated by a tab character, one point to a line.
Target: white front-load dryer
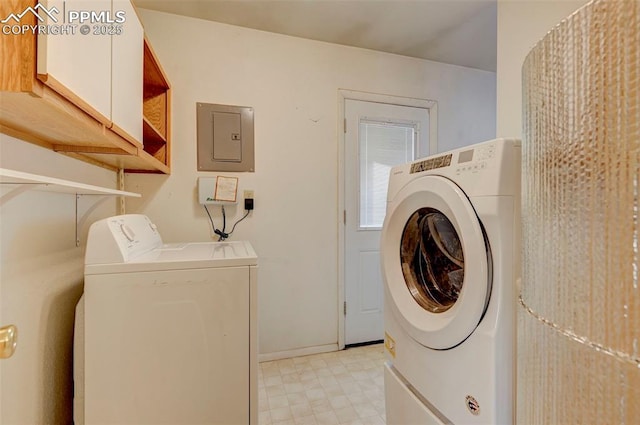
450	251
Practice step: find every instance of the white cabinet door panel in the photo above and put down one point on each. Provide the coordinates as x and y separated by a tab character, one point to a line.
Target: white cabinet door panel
127	69
79	62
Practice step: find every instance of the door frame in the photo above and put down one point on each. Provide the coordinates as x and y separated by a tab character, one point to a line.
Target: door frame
343	96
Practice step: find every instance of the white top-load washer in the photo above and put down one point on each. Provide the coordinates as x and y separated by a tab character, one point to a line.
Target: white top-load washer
165	333
450	250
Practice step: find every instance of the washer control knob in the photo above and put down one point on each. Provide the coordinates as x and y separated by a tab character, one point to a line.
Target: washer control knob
128	233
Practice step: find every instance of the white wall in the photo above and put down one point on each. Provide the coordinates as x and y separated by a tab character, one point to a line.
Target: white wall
521	24
41	275
293	86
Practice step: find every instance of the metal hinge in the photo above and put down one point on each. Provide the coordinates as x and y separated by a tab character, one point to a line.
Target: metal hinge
344	216
345	125
345	308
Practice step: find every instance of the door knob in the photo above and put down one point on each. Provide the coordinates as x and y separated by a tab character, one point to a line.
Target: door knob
8	341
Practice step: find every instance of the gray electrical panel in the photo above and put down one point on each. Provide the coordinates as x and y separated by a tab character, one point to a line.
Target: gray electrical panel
225	138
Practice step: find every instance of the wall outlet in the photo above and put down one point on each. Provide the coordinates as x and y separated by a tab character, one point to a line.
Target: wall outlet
248	200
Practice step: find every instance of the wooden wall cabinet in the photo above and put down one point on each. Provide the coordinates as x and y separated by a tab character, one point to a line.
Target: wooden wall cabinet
53	116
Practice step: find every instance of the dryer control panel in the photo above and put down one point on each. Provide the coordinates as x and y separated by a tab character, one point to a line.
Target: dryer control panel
475	160
486	169
121	238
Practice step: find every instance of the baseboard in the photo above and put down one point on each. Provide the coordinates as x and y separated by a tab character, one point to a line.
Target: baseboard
297	352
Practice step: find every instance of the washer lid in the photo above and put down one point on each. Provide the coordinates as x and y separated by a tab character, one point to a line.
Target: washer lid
436	262
199	255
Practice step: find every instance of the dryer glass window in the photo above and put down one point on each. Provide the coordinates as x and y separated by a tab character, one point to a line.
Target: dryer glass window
432	260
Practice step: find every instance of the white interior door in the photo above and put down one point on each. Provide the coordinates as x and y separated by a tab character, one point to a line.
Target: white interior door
377	137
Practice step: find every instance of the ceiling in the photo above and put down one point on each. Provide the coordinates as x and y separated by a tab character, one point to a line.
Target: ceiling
459	32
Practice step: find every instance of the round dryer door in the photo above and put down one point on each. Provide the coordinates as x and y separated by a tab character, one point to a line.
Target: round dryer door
436	262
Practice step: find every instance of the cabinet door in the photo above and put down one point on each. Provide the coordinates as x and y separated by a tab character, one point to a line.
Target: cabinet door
126	78
78	65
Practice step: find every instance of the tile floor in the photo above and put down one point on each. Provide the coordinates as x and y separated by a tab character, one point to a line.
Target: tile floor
343	387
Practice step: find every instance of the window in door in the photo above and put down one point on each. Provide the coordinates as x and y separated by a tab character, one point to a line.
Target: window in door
382	145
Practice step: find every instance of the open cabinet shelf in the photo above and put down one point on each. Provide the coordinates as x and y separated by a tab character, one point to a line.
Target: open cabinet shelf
155	108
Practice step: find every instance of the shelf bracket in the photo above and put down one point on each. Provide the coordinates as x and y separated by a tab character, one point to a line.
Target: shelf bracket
77	233
20	188
25	181
122	203
80	221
